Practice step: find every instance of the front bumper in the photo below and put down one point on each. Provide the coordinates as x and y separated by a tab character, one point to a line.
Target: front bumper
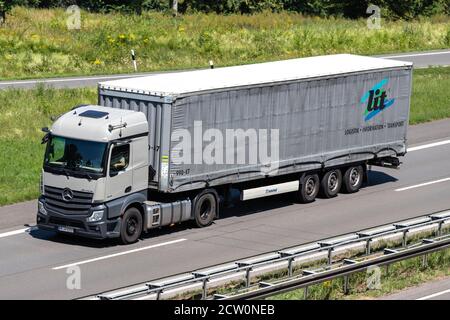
78	226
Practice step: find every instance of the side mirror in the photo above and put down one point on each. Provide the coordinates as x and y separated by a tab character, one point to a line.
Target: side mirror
113	173
45	129
45	138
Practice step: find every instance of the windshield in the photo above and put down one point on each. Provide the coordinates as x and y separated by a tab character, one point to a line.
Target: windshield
74	154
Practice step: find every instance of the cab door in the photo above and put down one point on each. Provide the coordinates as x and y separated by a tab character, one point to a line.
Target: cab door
120	171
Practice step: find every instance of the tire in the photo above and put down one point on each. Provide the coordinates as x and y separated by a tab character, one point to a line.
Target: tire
131	227
353	179
205	208
331	183
308	189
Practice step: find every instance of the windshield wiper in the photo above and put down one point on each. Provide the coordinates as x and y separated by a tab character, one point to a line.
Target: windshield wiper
66	172
87	175
82	172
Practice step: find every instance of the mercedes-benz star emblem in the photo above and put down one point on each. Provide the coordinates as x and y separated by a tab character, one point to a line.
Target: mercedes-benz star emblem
67	194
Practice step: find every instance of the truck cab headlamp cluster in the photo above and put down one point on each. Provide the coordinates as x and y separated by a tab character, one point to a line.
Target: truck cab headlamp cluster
95	216
41	208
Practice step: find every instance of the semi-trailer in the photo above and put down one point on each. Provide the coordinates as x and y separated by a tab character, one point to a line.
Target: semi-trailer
162	149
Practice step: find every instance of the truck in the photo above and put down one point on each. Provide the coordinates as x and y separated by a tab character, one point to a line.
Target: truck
162	149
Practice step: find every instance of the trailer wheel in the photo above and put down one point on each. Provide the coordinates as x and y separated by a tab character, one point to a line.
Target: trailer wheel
308	189
131	227
331	183
205	208
353	179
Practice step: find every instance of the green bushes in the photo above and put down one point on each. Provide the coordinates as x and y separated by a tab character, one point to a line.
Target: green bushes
406	9
447	38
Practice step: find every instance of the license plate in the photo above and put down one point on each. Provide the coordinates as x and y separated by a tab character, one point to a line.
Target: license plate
65	229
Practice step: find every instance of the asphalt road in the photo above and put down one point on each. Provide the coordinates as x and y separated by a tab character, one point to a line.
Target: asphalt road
420	60
435	290
33	265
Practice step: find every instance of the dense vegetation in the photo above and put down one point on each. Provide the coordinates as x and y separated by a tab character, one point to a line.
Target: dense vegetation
347	8
24	112
38	43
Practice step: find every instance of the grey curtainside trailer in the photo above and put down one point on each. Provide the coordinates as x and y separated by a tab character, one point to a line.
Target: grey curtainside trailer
172	147
319	106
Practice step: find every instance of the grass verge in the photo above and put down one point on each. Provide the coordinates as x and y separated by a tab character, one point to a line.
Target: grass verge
38	43
22	115
24	112
431	95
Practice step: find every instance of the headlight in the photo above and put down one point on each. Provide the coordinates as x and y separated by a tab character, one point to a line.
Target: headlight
96	216
41	208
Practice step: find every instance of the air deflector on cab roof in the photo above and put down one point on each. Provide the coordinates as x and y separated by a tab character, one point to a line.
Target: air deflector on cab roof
93	114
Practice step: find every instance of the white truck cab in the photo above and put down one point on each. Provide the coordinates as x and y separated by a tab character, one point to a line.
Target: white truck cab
92	158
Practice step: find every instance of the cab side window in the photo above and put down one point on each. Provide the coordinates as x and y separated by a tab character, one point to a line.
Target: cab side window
120	158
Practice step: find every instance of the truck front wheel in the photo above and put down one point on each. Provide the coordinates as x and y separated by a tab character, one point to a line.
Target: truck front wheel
131	227
353	179
205	208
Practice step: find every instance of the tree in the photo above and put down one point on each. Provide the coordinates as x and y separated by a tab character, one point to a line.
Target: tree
5	6
175	7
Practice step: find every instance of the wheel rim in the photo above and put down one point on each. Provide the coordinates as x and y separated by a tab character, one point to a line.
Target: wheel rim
310	187
205	209
333	181
132	226
354	177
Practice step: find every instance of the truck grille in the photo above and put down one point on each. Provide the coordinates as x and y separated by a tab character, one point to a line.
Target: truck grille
79	204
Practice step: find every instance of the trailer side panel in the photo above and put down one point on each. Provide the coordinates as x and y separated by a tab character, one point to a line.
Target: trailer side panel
320	123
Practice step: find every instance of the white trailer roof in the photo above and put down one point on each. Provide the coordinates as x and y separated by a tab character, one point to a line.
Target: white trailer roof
178	83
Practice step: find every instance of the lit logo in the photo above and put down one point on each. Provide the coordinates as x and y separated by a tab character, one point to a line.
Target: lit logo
376	100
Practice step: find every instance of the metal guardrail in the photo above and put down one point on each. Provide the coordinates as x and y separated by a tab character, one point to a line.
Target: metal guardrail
289	255
350	267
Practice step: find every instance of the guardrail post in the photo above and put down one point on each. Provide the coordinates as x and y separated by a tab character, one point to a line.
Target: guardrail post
247	277
330	257
368	246
158	288
346	282
425	260
248	268
204	287
305	293
346	277
404	238
439	232
290	267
